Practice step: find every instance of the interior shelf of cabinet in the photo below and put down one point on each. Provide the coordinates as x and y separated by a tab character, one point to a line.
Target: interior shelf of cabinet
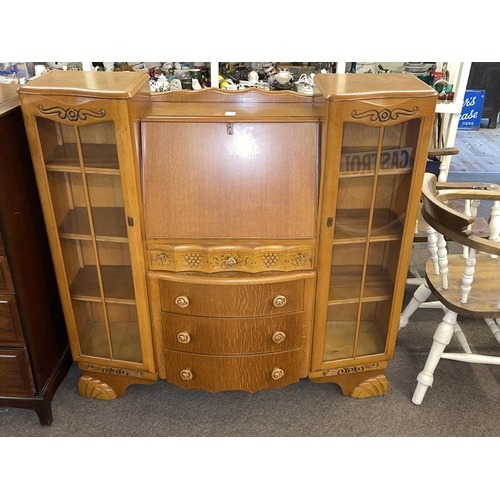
371	173
98	158
117	281
108	224
339	340
345	284
125	341
351	226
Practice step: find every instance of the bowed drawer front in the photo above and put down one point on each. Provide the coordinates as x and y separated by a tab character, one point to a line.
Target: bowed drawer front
233	335
223	373
242	334
232	300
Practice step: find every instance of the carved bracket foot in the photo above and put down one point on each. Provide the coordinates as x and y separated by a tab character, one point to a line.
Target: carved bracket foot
106	383
93	388
375	386
362	381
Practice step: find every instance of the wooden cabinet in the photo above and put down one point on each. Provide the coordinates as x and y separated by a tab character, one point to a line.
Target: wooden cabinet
230	197
83	131
34	349
253	238
376	135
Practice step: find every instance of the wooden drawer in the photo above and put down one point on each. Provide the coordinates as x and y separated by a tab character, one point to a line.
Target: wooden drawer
5	277
15	373
233	335
232	373
10	325
231	299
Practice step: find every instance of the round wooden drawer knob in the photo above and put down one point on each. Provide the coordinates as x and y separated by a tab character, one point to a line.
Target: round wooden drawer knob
279	301
182	301
277	373
186	374
184	337
278	337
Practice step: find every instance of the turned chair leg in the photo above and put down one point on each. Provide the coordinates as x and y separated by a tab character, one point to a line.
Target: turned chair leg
421	294
441	339
462	340
494	327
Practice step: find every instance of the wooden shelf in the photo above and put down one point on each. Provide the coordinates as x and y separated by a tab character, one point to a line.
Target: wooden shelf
109	224
125	341
98	159
351	226
345	284
371	173
117	281
339	340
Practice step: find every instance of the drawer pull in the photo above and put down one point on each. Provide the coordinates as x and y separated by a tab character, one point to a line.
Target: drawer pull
231	262
278	337
186	374
182	301
277	373
279	301
183	337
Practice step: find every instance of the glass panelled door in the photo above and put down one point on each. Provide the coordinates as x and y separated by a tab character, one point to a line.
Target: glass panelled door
86	192
373	186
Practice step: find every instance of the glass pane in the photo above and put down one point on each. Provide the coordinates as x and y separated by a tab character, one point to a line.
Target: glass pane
359	149
92	334
124	328
372	197
86	191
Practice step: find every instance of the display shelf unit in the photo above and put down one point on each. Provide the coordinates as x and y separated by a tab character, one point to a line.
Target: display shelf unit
81	128
377	129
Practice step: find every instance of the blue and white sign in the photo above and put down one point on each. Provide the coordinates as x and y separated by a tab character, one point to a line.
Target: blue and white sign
472	109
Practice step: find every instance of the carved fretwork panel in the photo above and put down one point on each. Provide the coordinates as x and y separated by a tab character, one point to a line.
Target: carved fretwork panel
244	258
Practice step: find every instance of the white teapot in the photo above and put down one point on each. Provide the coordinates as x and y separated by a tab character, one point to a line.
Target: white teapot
253	77
283	76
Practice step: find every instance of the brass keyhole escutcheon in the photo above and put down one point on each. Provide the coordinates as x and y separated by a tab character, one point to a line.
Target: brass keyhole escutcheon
277	373
184	337
278	337
182	301
279	301
186	374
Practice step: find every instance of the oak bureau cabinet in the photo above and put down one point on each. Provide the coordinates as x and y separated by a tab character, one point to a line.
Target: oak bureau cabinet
230	240
82	132
230	197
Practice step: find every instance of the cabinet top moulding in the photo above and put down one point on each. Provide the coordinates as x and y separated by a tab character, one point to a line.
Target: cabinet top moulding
97	84
345	87
245	95
239	105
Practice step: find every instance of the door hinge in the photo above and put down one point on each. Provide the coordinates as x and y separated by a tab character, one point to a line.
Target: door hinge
130	221
329	222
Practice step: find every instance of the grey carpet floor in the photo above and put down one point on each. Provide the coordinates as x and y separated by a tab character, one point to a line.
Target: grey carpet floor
464	401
